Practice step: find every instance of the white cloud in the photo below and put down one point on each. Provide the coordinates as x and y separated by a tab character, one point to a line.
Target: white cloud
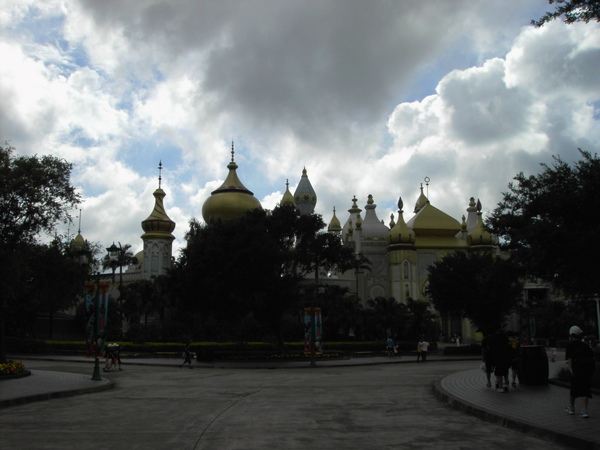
115	86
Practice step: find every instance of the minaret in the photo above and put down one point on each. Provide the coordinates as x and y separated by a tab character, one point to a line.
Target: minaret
158	238
402	259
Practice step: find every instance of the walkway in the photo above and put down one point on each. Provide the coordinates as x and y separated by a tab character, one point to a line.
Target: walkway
538	410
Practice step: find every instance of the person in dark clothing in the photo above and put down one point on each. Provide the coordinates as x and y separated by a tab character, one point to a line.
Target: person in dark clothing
501	353
488	360
580	358
187	355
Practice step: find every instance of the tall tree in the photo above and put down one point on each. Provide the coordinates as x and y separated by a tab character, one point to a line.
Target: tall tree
35	194
480	286
546	223
252	266
572	10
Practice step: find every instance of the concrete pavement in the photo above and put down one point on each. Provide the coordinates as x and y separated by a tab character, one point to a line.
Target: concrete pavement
376	403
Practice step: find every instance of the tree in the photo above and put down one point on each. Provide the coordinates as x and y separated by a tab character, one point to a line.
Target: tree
545	222
35	194
480	286
573	11
250	268
56	278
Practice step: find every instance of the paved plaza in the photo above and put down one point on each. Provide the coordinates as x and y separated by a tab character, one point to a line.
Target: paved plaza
154	404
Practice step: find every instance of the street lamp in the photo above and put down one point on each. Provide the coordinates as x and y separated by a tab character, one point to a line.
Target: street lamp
115	255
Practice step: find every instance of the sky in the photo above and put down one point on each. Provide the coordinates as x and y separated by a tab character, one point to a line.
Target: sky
371	97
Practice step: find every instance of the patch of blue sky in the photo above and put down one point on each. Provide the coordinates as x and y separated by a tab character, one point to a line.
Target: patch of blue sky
145	155
596	106
78	138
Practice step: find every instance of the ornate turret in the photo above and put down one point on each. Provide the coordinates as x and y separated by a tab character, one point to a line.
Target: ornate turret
480	237
305	196
158	238
231	200
288	198
158	225
334	225
354	218
401	233
373	228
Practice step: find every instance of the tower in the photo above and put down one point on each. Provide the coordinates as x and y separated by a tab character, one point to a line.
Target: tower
157	237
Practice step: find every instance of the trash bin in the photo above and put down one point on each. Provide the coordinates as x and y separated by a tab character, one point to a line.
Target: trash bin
533	364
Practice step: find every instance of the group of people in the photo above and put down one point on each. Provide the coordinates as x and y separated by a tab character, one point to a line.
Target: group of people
501	354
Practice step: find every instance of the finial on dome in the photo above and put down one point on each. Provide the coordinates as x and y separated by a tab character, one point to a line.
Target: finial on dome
159	173
232	151
79	229
478	206
400	204
427	179
304	172
370	199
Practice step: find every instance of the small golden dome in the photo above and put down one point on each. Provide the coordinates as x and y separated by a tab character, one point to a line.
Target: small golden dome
288	198
334	225
400	232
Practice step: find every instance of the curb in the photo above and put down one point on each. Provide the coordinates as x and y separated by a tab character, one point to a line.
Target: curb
523	426
104	386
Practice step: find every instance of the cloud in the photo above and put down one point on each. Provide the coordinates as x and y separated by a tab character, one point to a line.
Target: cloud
371	99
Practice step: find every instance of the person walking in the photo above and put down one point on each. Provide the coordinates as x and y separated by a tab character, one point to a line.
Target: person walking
501	356
580	359
488	360
187	355
423	348
390	346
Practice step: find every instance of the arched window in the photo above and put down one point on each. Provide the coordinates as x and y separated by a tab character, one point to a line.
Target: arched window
406	270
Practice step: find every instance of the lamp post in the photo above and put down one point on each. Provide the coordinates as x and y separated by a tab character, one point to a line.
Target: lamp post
97	344
85	260
115	255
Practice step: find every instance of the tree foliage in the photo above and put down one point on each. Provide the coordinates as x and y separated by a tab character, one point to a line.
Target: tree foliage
250	267
545	221
35	194
572	10
480	286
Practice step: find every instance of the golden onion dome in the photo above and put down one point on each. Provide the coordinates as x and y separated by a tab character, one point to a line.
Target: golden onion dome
401	234
78	243
334	225
288	198
231	200
158	224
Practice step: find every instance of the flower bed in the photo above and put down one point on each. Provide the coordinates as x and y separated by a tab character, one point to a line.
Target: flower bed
11	368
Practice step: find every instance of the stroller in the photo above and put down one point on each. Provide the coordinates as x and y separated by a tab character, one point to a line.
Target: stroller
113	360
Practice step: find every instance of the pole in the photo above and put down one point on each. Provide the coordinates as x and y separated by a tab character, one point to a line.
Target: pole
598	316
96	375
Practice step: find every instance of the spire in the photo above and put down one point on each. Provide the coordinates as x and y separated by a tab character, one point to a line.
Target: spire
421	202
288	198
159	173
479	236
158	225
401	233
305	196
334	225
